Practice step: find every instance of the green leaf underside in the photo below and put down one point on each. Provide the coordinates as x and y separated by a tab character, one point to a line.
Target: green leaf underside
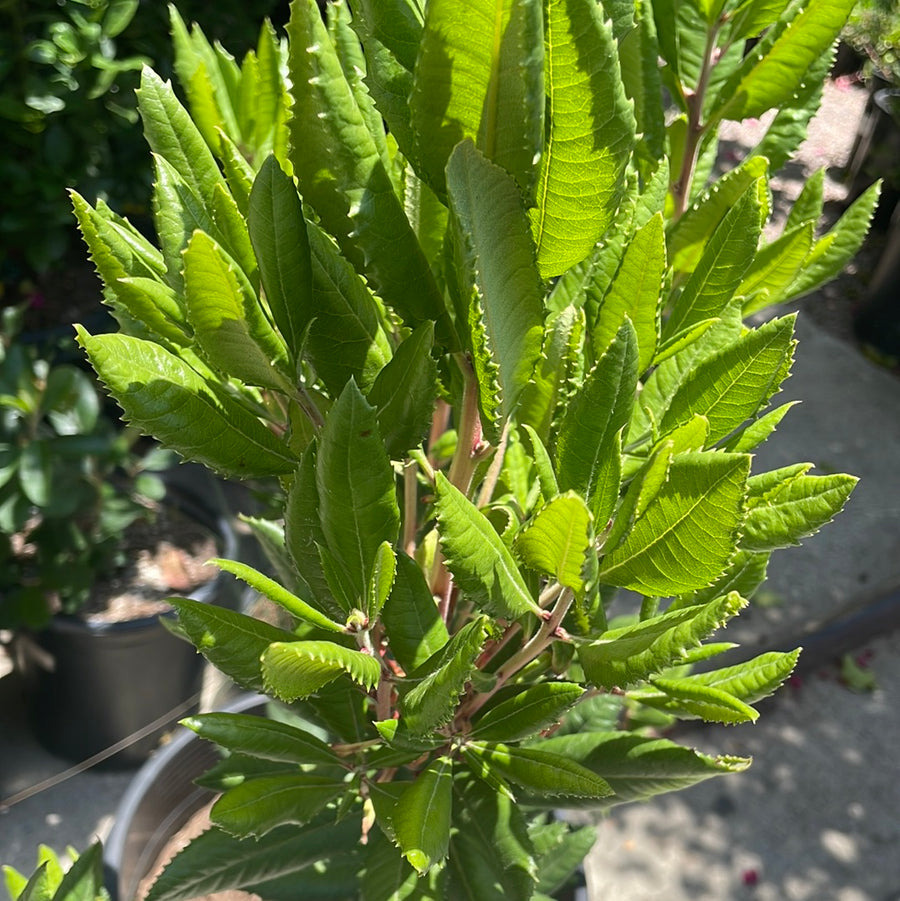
296	669
626	655
162	395
484	569
558	541
499	289
721	695
590	137
731	386
479	75
688	532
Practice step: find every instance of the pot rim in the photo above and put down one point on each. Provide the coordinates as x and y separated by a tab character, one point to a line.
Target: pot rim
157	766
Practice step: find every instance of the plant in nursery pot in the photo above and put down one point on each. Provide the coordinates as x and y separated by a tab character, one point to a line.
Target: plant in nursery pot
473	295
90	549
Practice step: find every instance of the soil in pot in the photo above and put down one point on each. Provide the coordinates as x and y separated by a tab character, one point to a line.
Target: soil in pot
96	679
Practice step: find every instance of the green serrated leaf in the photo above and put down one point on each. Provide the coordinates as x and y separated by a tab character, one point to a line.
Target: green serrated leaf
635	293
798	505
558	540
838	246
482	566
172	135
587	442
384	571
261	737
527	713
731	386
295	669
774	268
278	233
346	317
422	816
690	233
490	850
431	702
257	806
341	174
541	772
629	654
479	75
637	767
355	482
561	356
162	394
414	626
777	67
722	265
404	393
233	642
277	594
215	860
591	131
688	532
497	288
685	699
227	320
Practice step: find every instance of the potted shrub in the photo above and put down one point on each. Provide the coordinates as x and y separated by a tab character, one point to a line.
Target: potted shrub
462	284
91	543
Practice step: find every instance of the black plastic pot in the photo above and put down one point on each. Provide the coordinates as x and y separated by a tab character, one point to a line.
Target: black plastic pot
161	798
92	686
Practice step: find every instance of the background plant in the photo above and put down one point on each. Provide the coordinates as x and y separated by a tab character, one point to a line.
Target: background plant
54	882
71	482
68	71
873	30
495	354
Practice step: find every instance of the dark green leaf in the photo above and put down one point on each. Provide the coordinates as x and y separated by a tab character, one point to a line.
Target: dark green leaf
422	816
541	772
261	737
355	482
414	626
231	641
278	232
528	712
